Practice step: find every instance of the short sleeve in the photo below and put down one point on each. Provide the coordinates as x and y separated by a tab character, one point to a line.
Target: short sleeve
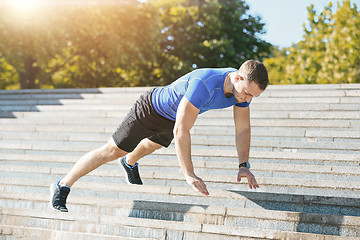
243	104
197	93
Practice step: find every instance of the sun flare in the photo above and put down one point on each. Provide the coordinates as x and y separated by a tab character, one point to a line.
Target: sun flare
24	5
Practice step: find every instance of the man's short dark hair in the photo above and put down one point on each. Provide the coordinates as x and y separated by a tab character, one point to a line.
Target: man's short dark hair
253	70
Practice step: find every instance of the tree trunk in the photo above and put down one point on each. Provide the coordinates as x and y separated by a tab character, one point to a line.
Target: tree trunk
28	76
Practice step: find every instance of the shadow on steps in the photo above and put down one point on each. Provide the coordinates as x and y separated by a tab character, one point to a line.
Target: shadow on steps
312	214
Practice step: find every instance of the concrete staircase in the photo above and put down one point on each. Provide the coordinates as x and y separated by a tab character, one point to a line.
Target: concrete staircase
305	155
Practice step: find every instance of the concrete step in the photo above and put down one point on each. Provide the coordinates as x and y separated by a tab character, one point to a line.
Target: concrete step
270	157
9	232
216	118
210	214
12	123
168	205
346	147
326	89
76	90
109	104
306	163
219	177
93	224
175	230
197	131
280	183
318	158
73	94
223	167
300	203
336	159
306	100
297	87
225	116
258	134
209	134
52	108
35	103
245	213
39	99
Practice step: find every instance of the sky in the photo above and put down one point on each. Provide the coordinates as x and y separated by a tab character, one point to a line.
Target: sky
284	19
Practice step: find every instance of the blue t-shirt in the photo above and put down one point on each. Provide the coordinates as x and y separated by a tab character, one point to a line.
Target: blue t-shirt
204	88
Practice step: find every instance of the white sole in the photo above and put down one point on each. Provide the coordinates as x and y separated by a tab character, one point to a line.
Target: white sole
124	171
52	191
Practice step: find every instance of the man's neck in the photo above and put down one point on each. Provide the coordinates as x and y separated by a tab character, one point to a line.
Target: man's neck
228	86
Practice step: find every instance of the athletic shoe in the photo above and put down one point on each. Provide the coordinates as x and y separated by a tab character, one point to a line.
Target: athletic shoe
58	195
132	172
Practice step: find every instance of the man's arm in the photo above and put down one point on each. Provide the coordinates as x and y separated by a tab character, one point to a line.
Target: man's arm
185	119
242	140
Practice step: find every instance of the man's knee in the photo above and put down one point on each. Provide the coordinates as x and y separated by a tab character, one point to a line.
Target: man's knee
112	151
151	144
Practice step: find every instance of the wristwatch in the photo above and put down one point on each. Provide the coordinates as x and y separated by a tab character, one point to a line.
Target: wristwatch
244	164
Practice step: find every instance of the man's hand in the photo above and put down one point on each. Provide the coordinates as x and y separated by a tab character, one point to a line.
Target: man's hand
197	183
244	172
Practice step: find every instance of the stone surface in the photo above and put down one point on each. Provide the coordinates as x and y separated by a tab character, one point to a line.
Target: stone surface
304	153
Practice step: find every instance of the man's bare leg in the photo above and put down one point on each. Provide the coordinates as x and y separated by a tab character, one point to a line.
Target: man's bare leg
145	147
92	160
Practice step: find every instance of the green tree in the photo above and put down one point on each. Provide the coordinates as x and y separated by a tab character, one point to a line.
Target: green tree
116	50
23	42
328	53
342	55
206	33
94	44
77	45
277	66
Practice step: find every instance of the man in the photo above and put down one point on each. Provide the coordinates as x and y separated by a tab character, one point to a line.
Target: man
164	113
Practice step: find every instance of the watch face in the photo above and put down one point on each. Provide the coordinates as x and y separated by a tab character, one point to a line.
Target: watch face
245	164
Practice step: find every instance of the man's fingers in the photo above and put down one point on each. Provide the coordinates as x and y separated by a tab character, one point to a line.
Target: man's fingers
200	187
239	178
197	183
250	177
256	184
253	184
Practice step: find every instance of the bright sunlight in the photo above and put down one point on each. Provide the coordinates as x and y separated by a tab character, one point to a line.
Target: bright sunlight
22	6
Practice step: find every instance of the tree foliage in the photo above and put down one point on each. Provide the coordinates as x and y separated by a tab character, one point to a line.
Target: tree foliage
207	34
78	45
328	53
111	45
8	76
124	43
23	41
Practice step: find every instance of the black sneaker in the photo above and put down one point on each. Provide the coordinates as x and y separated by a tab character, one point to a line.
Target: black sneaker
132	172
58	195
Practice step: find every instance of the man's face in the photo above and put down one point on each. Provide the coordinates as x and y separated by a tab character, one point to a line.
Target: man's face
244	91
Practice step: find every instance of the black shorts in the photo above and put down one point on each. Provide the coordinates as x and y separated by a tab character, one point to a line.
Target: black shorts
143	122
